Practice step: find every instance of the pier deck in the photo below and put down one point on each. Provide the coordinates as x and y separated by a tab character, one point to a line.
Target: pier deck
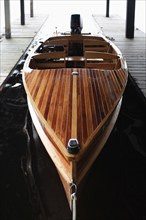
134	50
22	35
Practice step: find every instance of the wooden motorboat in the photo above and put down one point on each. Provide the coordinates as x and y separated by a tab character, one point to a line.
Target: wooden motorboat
74	85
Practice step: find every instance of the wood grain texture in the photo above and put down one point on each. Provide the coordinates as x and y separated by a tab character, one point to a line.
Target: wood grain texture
96	45
75	106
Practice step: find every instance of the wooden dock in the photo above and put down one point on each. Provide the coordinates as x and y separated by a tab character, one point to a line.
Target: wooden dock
22	35
134	50
113	27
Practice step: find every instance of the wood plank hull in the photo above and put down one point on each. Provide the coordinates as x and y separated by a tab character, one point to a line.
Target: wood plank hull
75	102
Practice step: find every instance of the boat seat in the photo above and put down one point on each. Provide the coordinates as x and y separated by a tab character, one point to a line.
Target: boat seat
95	45
75	61
49	60
101	60
58	43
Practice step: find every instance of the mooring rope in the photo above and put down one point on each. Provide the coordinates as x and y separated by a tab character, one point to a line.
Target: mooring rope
73	192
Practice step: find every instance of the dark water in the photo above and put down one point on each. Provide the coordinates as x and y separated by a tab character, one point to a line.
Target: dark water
115	188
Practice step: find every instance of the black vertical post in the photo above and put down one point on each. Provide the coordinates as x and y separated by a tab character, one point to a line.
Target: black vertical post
22	12
31	8
7	19
107	7
130	18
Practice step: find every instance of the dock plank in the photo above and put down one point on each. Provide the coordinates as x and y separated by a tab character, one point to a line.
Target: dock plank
22	35
134	50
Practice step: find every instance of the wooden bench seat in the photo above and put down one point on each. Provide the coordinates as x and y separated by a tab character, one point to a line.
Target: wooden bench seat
95	45
60	42
91	59
49	60
101	60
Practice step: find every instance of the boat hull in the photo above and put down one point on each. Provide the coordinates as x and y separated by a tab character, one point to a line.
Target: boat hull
78	169
64	105
74	85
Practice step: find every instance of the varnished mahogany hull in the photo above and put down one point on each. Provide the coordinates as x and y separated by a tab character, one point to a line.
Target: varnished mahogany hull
83	106
80	100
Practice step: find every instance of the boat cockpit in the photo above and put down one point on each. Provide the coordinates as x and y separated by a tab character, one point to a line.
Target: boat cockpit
75	50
